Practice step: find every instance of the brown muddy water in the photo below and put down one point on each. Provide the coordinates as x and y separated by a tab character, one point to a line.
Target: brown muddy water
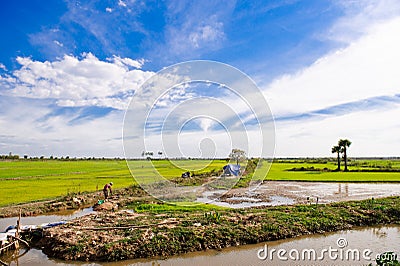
42	219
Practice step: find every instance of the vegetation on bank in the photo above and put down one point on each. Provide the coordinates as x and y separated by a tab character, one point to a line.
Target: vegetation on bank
160	207
119	236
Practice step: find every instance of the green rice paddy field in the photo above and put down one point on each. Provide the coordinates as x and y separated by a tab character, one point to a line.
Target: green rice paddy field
25	181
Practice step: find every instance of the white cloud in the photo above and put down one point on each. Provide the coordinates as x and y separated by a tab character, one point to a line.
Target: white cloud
373	133
121	3
58	43
366	68
359	16
74	81
127	62
109	9
191	38
194	28
32	127
207	34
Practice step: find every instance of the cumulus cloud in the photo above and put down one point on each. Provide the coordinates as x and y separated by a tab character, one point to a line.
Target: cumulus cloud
74	81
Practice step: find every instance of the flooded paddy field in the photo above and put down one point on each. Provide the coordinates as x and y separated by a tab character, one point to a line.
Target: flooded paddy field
273	193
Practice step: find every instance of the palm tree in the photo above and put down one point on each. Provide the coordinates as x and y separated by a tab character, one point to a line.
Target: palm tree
338	150
344	143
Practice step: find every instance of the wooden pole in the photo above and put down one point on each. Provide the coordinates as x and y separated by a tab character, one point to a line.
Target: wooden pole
16	243
23	241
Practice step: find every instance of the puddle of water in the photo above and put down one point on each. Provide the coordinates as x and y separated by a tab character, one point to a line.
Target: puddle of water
274	193
279	200
210	196
248	199
246	202
41	219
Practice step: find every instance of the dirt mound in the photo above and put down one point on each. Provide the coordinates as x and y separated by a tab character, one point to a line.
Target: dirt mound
106	206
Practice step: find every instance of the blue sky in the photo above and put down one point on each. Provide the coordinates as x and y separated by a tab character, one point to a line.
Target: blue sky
326	68
164	33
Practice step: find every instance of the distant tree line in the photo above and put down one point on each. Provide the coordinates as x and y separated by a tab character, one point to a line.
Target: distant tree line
9	157
62	158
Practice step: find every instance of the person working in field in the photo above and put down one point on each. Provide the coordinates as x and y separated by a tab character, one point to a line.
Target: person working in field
107	187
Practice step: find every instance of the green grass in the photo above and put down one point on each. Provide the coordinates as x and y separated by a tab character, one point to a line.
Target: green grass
179	206
26	181
279	171
150	171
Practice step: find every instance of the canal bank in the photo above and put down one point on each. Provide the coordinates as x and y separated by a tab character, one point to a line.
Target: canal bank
126	235
377	239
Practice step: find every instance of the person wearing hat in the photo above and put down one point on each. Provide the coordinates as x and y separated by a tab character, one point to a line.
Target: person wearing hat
106	188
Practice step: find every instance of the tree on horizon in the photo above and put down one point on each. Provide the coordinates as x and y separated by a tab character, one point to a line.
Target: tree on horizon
237	155
337	149
344	144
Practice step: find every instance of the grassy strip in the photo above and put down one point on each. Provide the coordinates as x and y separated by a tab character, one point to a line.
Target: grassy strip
199	229
27	181
155	208
280	171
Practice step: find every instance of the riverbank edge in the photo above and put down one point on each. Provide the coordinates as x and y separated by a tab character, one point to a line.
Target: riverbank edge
115	236
70	202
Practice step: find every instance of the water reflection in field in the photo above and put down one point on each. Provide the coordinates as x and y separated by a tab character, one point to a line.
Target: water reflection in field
274	193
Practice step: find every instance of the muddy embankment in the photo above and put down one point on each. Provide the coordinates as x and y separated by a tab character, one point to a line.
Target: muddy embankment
70	202
110	236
